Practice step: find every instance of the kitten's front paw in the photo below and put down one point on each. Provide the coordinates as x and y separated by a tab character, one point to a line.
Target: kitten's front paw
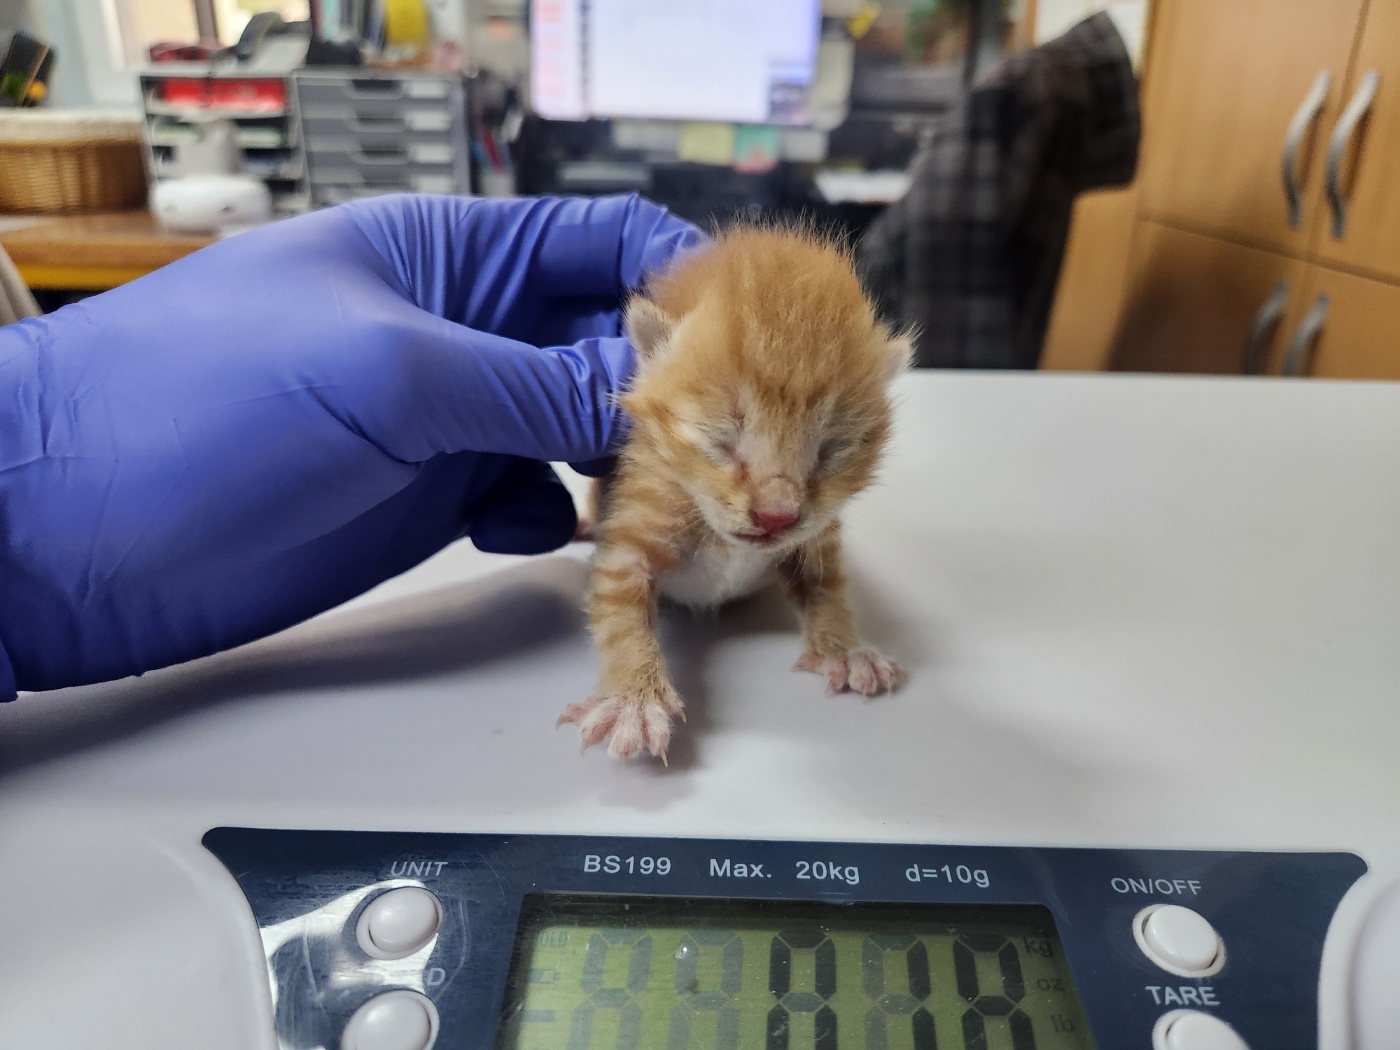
864	671
633	720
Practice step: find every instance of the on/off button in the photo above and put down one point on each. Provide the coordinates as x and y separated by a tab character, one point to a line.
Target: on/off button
1179	940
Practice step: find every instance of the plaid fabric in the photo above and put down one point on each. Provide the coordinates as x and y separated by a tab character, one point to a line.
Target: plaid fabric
971	254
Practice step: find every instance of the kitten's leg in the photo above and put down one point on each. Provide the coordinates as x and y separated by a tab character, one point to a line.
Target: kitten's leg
817	585
635	699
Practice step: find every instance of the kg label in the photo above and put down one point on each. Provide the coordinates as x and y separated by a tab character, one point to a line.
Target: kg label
825	870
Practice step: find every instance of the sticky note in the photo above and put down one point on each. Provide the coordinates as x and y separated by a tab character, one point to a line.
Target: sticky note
707	142
803	145
756	147
659	135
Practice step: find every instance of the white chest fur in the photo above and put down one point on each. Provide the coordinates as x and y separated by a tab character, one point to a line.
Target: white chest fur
717	573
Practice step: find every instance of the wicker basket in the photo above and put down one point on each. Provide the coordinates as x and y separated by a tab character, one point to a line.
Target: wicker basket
70	161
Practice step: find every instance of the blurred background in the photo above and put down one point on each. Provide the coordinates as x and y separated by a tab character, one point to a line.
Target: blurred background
1148	185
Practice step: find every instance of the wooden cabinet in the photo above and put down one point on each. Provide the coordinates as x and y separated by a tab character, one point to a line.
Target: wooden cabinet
1219	276
1368	178
1093	273
1226	80
1193	302
1358	336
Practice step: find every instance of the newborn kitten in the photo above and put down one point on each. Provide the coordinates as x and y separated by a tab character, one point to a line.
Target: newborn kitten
760	406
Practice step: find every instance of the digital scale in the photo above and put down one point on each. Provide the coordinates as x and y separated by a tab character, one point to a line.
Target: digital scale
1141	790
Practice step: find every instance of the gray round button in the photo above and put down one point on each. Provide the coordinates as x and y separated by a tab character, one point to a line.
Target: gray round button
397	1020
398	923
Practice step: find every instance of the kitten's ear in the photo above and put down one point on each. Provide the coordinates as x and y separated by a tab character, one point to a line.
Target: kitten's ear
648	326
897	353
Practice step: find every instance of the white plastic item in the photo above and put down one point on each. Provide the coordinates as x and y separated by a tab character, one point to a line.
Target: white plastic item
1193	1030
1376	967
208	203
213	151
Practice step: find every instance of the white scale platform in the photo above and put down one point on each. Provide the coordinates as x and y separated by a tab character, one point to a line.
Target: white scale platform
1137	612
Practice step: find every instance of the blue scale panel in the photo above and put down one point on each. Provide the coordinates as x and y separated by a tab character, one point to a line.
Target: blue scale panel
596	943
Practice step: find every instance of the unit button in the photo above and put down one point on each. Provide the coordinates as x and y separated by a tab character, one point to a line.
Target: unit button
1189	1030
397	1020
398	923
1179	940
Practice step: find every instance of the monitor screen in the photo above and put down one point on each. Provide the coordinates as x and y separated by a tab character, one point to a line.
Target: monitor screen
729	60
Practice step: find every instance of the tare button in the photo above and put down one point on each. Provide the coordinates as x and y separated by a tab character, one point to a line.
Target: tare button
1179	940
1189	1030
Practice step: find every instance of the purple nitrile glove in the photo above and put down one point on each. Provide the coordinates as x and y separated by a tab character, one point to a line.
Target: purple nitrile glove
281	421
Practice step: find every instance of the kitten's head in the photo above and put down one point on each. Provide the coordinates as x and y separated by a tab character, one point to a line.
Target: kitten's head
762	383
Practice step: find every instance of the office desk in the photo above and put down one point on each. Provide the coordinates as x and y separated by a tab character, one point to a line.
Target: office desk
91	251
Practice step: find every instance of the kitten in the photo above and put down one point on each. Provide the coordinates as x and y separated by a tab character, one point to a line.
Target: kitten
760	406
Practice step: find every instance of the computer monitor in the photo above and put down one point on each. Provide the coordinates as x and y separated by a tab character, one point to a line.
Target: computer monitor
748	61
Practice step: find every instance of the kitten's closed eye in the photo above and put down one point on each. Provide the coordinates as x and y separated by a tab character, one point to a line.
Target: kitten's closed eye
832	451
719	441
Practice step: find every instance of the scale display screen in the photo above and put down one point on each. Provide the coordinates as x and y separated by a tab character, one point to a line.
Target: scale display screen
635	973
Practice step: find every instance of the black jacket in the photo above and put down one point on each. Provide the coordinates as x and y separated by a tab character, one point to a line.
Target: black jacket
971	255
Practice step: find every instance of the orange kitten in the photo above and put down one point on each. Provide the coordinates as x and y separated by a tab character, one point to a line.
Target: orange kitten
760	406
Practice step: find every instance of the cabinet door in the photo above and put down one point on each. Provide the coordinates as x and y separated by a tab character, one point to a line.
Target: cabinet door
1369	175
1359	337
1225	78
1094	276
1193	302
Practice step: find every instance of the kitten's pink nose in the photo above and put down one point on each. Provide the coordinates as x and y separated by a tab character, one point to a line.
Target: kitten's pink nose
772	522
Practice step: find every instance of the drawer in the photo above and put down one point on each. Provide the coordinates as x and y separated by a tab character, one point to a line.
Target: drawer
355	153
343	89
327	182
340	121
384	116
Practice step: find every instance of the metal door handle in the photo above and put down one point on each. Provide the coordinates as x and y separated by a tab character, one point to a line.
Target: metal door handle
1297	128
1256	347
1305	336
1341	136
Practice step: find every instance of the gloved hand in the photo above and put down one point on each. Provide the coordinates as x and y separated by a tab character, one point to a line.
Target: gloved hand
275	424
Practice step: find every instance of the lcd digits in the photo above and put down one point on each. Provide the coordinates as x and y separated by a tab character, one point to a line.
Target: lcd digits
848	977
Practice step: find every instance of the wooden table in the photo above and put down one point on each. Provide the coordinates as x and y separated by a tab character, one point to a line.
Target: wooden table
91	251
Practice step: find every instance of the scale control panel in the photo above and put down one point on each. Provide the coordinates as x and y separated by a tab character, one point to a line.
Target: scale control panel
402	941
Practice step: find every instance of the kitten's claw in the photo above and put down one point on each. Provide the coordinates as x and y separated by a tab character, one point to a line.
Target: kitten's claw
864	671
634	722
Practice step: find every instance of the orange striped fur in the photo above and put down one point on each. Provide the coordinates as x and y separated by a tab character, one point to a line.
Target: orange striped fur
760	406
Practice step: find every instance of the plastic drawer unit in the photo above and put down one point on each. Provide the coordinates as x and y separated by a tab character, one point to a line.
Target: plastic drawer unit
369	133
